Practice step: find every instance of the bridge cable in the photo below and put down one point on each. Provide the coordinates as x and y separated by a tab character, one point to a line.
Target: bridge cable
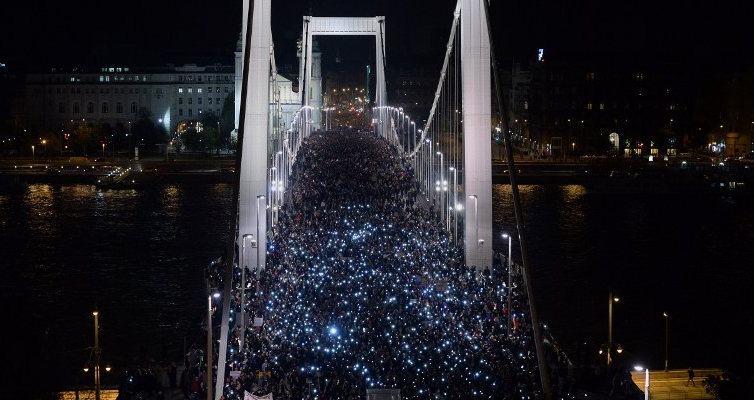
541	362
430	119
230	253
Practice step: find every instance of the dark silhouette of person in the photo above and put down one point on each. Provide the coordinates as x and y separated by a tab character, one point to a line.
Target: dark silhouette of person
172	375
691	377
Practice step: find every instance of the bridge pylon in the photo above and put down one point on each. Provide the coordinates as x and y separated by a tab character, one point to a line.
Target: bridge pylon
477	125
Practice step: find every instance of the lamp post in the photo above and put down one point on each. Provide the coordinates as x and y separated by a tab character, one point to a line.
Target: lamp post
646	380
32	153
429	168
455	204
271	180
440	188
96	356
103	150
413	135
510	280
610	300
665	314
476	224
259	267
209	345
278	174
243	287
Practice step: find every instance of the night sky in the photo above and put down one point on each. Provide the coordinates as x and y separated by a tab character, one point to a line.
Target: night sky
143	32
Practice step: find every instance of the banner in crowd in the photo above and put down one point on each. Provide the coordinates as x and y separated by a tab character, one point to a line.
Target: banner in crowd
249	396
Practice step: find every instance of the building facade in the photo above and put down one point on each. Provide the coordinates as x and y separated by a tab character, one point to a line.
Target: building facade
169	95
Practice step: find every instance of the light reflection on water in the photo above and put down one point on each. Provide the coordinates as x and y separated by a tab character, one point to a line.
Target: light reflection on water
139	254
686	255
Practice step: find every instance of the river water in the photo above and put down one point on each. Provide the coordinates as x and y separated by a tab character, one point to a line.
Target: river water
138	257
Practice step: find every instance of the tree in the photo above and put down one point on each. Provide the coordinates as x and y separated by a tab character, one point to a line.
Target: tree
190	139
83	138
211	130
737	379
228	121
146	133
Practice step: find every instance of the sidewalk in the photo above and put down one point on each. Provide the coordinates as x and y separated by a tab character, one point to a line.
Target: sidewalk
671	385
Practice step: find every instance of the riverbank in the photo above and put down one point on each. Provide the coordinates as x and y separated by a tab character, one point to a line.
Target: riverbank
623	176
146	171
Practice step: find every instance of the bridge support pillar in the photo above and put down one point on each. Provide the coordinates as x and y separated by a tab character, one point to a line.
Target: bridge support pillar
477	128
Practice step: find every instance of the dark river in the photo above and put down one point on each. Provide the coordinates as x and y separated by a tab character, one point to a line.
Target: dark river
138	257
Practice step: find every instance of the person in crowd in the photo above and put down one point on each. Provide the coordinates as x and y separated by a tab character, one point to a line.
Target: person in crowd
364	288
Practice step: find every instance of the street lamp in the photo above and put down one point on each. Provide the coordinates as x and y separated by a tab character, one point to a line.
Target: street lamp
455	204
510	281
611	299
259	267
96	356
32	153
440	187
646	380
476	223
243	285
429	168
209	345
271	193
665	314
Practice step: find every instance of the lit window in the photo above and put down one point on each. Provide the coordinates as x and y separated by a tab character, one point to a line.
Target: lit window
589	106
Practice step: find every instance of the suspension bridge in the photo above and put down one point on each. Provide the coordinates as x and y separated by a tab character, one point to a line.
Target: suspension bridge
451	304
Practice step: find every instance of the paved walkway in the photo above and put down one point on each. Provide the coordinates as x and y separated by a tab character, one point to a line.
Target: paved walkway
671	385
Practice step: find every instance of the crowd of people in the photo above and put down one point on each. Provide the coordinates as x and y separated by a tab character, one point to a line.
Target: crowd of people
363	288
